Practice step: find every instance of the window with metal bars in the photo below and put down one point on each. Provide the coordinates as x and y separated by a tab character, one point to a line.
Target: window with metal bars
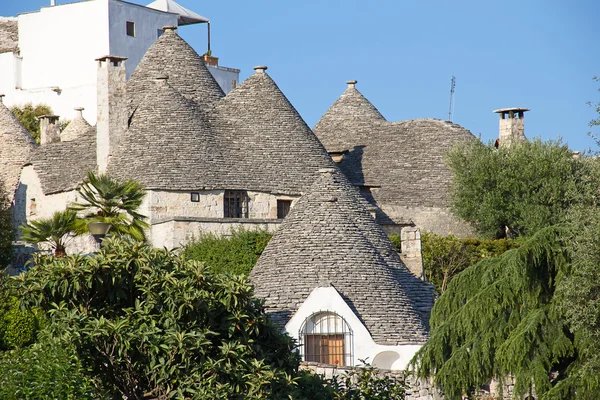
326	338
236	204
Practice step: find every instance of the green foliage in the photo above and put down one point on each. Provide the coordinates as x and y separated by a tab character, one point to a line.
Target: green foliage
446	256
28	117
236	254
46	370
55	231
501	316
517	191
18	327
396	242
150	323
116	203
365	383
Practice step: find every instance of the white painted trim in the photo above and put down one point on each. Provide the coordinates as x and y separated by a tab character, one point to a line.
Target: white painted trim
323	299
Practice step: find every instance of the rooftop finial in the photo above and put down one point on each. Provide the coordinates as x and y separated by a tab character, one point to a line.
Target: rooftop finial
260	69
79	111
351	84
1	98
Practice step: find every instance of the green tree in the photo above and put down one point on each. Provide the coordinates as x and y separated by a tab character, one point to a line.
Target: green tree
28	116
502	316
515	192
152	325
116	203
55	231
236	254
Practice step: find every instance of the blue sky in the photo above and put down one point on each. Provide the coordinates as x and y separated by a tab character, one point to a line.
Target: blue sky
539	54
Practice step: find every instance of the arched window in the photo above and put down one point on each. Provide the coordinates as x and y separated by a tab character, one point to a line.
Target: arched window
326	338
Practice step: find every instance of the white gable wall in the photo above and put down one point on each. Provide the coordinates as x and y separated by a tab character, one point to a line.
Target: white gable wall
324	299
147	24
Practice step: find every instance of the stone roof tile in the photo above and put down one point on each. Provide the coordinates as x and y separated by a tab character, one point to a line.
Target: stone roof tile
330	238
9	34
170	55
15	151
77	127
270	145
403	161
63	166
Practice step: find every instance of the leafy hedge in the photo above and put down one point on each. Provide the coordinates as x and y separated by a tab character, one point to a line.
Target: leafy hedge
235	255
446	256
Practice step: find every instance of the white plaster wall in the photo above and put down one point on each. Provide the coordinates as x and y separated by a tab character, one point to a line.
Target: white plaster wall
224	76
328	299
58	45
147	23
161	204
7	72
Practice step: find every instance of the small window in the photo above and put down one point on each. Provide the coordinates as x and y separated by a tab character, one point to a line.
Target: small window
326	338
236	204
195	197
233	84
130	29
283	208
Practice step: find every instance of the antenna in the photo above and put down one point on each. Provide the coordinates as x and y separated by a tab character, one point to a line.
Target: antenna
451	108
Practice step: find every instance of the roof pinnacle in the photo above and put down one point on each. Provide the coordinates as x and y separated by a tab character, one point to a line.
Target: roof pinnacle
351	84
260	69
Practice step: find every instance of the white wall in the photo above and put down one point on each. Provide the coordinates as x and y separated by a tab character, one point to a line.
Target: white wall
324	299
147	23
224	77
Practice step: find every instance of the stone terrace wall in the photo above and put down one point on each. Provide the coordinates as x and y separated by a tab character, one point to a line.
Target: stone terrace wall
418	389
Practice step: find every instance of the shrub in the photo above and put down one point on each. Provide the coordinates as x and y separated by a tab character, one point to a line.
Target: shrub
46	370
446	256
235	255
150	323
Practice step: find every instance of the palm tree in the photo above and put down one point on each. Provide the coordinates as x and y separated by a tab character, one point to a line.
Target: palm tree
116	203
55	231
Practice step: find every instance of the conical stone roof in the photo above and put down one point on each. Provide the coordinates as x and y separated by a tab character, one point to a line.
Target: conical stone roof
329	238
168	145
63	166
170	55
351	115
16	145
402	162
273	148
77	127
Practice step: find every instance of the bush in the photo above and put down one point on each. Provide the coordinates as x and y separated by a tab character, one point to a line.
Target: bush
150	323
18	326
235	255
446	256
46	370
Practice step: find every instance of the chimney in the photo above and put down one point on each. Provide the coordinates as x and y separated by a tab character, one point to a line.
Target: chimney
351	84
512	125
112	111
260	69
410	242
49	129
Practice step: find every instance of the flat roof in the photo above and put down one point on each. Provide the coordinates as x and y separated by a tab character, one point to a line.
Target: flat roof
503	110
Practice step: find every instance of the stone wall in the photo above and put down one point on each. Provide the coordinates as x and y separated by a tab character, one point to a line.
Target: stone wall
431	219
420	389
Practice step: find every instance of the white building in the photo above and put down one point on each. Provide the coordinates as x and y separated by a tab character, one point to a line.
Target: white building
53	59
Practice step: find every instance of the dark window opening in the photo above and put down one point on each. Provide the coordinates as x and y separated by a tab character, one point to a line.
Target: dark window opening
195	197
233	84
130	28
236	204
283	208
